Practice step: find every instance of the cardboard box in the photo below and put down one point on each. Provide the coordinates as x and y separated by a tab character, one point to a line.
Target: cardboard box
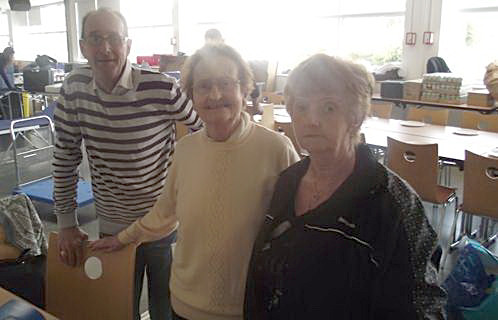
480	98
412	89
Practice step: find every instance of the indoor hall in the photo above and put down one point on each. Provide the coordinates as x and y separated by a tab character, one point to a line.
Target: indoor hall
434	64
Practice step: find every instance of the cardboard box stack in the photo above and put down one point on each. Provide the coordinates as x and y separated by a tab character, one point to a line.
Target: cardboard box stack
480	98
412	89
441	87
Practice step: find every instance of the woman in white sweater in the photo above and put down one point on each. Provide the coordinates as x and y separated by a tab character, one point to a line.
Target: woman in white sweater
217	190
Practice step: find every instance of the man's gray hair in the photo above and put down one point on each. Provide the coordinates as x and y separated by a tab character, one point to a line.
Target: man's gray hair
102	10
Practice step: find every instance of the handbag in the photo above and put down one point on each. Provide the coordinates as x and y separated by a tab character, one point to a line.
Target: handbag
25	277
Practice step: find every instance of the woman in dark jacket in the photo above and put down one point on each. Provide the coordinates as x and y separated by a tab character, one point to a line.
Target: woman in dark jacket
345	238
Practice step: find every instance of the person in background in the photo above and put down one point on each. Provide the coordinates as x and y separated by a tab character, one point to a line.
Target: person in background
344	238
218	190
7	69
126	117
491	79
213	37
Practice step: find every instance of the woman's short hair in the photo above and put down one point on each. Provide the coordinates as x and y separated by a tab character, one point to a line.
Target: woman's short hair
316	74
244	73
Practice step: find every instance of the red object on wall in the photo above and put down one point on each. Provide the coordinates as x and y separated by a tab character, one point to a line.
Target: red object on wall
411	38
428	37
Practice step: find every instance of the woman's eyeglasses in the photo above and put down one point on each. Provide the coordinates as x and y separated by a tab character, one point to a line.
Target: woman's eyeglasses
225	85
113	39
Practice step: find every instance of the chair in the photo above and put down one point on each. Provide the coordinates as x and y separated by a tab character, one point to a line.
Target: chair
475	120
381	109
268	118
437	64
272	97
418	165
39	188
480	190
181	130
288	130
439	117
73	293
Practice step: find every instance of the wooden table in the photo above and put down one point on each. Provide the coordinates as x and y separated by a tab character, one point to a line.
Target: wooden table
451	146
6	296
462	107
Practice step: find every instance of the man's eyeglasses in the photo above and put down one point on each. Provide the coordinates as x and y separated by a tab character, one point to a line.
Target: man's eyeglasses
113	39
225	85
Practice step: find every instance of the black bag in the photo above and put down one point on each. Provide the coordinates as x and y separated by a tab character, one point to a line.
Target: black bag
25	277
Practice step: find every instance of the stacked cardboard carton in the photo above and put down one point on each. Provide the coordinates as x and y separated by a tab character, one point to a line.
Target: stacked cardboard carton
480	98
412	89
441	87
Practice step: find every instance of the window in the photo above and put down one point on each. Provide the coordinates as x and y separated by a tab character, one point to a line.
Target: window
469	28
42	30
368	31
150	26
4	30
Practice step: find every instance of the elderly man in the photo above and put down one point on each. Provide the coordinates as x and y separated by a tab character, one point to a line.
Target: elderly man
126	116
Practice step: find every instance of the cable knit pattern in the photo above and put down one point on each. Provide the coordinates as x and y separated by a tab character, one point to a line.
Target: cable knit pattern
219	193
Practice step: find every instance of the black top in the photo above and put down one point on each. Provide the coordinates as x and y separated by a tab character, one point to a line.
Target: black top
331	262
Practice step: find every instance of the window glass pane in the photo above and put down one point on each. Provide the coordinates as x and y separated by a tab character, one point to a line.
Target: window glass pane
150	40
147	12
472	33
150	26
289	31
362	6
41	31
372	41
4	24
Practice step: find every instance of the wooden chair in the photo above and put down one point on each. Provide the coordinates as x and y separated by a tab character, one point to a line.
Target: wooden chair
418	165
381	109
480	190
439	117
272	97
268	118
71	294
288	130
181	130
475	120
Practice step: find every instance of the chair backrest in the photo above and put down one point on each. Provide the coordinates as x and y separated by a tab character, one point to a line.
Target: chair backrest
181	130
268	118
381	109
480	185
415	163
72	294
272	97
437	64
439	117
475	120
288	130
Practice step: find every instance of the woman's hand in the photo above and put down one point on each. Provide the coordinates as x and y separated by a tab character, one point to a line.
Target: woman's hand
107	244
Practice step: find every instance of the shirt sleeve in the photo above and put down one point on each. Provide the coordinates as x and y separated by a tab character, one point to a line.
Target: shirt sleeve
183	109
160	221
67	157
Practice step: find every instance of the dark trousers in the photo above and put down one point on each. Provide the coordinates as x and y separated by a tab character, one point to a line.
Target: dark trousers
155	258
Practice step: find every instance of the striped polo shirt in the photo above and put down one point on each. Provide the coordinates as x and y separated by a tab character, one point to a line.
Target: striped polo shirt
129	136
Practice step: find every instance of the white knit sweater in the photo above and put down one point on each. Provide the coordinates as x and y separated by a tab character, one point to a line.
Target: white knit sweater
219	193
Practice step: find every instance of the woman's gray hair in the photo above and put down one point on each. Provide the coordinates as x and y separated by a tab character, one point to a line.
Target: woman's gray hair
316	74
244	72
